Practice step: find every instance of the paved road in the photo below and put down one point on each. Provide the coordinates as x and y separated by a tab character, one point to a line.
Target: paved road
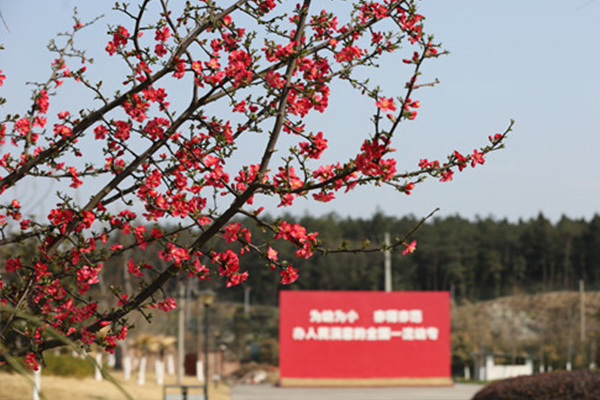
268	392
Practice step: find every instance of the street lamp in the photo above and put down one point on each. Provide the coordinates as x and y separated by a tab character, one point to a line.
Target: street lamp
222	349
207	297
216	376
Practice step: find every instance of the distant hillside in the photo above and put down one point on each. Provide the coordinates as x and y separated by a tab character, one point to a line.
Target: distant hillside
544	325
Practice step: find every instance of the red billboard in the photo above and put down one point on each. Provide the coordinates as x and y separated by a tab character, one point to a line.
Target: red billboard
364	338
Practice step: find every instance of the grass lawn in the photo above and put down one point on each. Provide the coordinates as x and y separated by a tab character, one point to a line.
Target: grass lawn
16	387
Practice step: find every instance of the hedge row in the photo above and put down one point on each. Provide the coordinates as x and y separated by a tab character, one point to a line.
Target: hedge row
61	365
575	385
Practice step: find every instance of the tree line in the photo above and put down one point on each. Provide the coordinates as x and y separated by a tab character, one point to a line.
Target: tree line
476	259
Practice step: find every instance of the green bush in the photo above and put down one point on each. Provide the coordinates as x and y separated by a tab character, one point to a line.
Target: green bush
59	364
269	351
8	368
575	385
66	365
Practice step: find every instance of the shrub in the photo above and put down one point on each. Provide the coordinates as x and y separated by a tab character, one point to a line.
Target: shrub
59	364
66	365
575	385
269	351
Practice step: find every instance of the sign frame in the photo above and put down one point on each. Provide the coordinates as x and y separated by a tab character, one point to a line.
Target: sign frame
364	338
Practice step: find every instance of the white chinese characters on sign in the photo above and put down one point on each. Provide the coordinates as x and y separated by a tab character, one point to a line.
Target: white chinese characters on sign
360	333
397	316
364	333
332	316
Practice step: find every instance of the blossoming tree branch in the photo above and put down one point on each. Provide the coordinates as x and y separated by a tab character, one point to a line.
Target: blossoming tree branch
252	71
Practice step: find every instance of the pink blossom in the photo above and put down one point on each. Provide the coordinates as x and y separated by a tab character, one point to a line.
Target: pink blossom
410	248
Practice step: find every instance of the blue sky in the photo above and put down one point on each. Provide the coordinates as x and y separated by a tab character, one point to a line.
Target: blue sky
535	62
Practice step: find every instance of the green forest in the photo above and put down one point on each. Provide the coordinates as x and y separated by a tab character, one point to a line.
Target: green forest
479	259
476	259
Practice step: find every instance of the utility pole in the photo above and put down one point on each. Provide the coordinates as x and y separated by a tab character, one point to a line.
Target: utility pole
181	334
581	311
247	301
387	263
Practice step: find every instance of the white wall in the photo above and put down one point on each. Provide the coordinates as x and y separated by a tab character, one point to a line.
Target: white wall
492	372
